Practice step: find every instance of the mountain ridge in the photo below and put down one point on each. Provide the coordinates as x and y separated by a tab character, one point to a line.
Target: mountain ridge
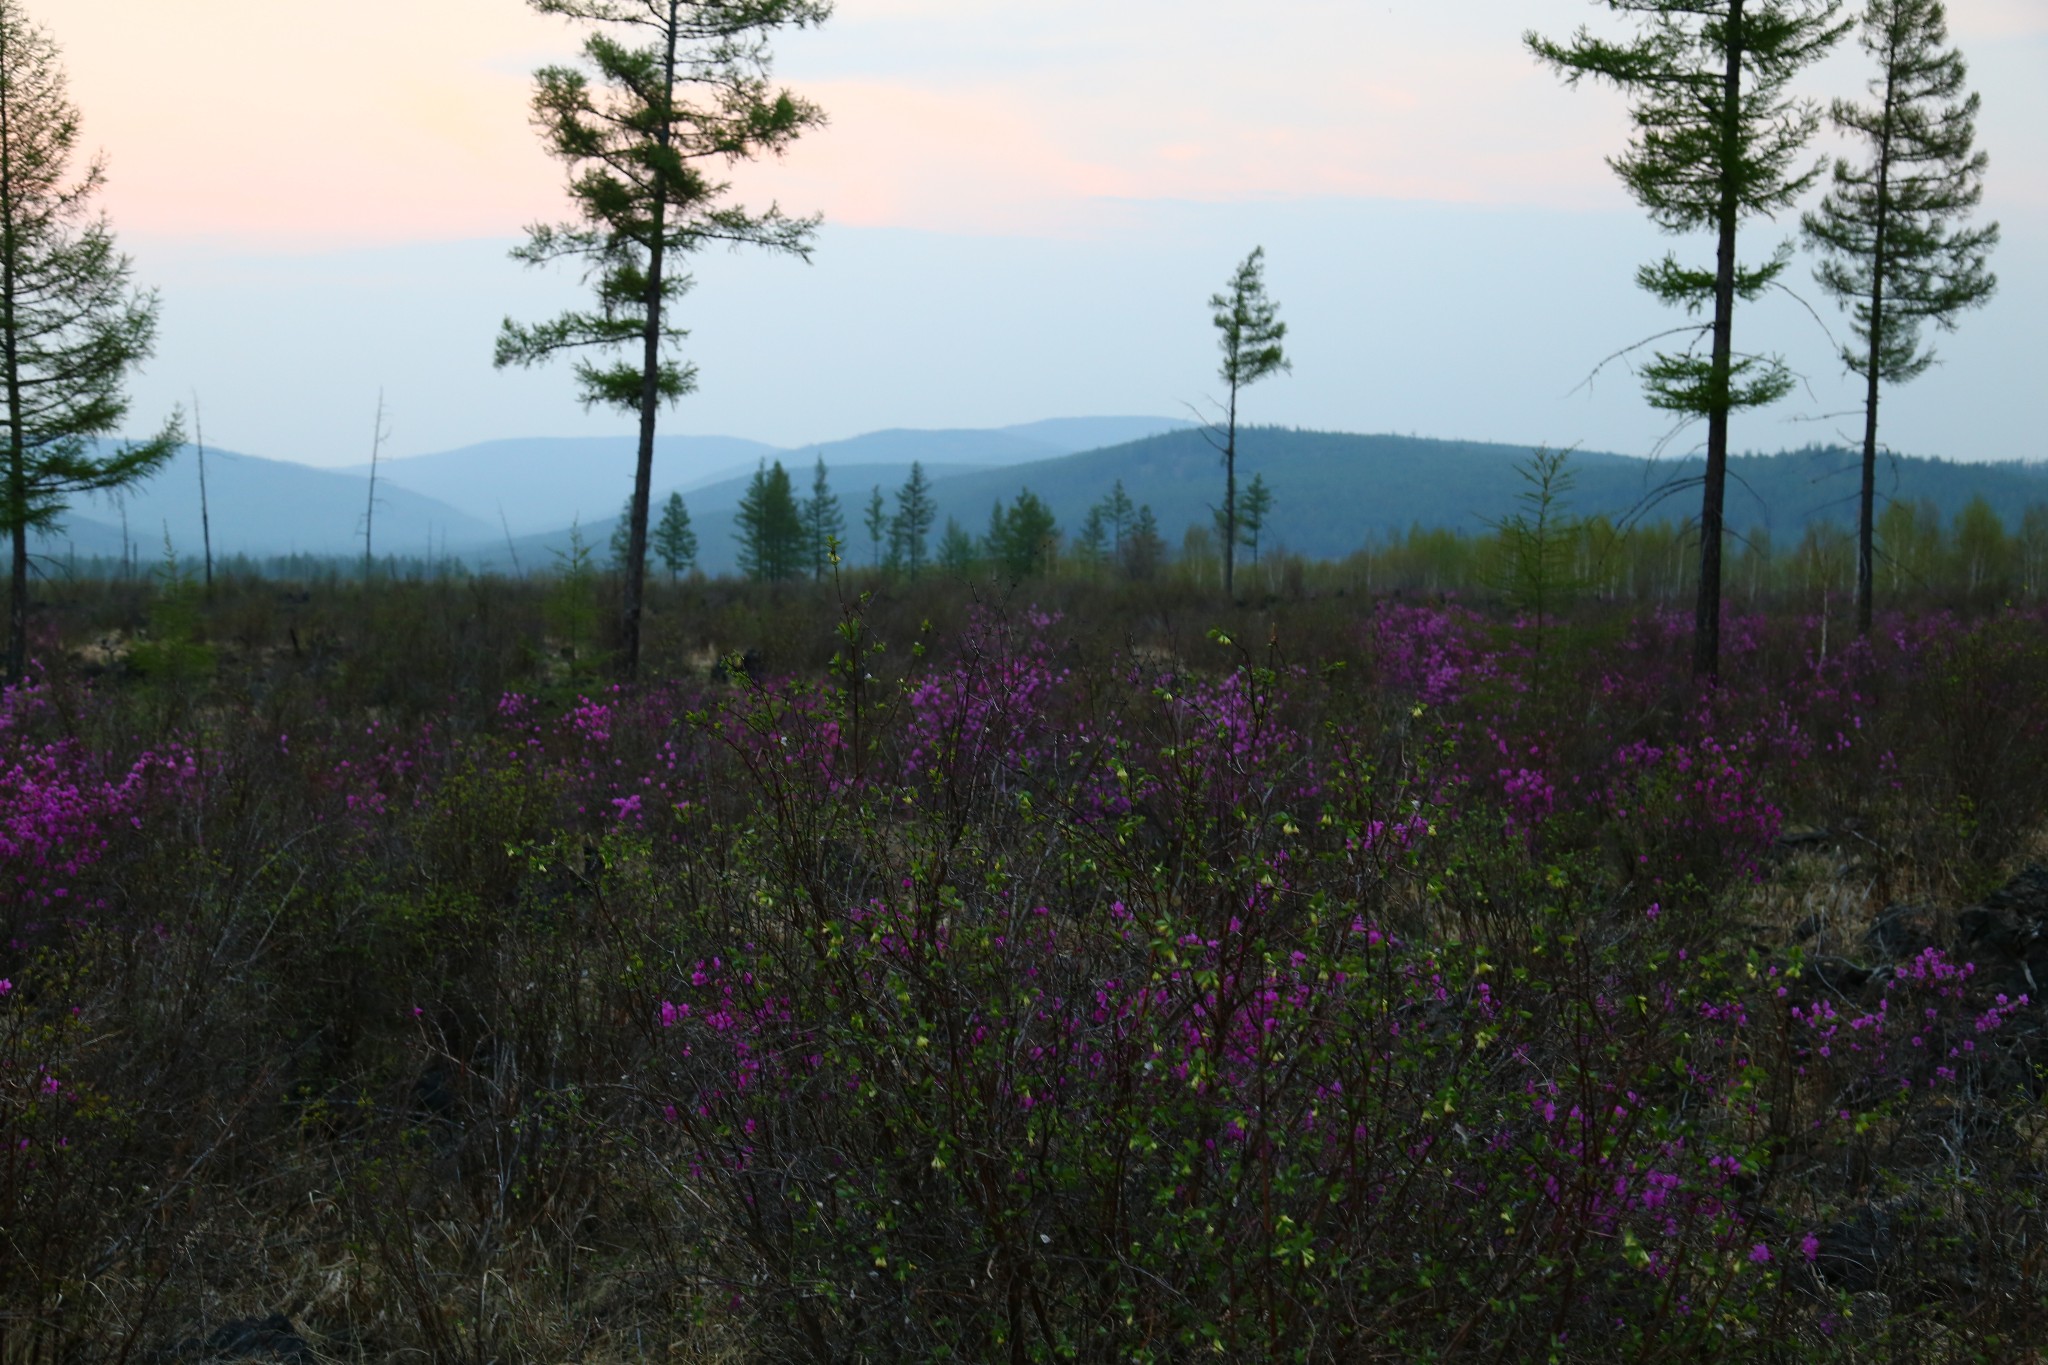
1333	491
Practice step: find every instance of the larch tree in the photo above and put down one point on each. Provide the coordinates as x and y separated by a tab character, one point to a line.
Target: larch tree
71	324
1252	513
770	526
824	521
910	528
1892	247
675	544
1023	537
876	519
1249	332
676	92
1718	138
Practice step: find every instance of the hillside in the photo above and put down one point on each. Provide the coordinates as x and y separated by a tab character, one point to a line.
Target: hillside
259	507
1335	491
542	484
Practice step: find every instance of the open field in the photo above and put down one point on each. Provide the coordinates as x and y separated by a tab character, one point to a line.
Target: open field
1082	971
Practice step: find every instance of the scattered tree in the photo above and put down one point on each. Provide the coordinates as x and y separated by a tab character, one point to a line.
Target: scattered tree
1909	541
1022	537
205	512
1982	547
770	527
379	434
1716	140
824	522
1121	514
1249	333
1251	514
645	132
71	325
1144	548
1539	543
876	519
2031	549
1890	248
912	524
621	544
675	544
1092	545
958	554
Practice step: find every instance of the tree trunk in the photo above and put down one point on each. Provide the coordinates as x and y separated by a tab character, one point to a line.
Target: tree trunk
1230	500
650	389
17	441
1866	527
1706	640
17	607
1866	535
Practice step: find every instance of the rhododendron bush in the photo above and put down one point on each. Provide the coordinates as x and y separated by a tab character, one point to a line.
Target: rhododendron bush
1409	992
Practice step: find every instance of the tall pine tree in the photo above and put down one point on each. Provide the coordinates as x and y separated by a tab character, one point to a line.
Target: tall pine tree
676	92
1717	139
1249	332
71	327
1892	249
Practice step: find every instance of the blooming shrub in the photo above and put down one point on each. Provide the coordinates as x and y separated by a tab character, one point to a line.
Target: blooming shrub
1019	1000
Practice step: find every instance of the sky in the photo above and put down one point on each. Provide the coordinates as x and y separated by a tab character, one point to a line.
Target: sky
1026	205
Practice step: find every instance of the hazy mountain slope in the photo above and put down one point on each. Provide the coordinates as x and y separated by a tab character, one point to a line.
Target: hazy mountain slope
545	483
964	446
265	507
1334	491
1071	435
712	510
542	484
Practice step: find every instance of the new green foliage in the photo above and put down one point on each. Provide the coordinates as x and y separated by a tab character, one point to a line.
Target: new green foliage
671	95
1718	138
71	324
1892	248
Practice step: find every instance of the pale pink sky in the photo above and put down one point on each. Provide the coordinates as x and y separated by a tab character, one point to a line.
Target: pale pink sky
1027	202
394	120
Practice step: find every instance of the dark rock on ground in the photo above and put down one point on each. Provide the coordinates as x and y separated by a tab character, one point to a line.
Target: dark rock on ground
245	1339
2007	936
1902	931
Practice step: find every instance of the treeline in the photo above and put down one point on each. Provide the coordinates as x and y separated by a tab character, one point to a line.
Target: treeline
1918	552
1536	560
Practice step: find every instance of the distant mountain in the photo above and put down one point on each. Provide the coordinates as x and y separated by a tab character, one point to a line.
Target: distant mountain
1071	435
545	483
259	507
542	484
1334	491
